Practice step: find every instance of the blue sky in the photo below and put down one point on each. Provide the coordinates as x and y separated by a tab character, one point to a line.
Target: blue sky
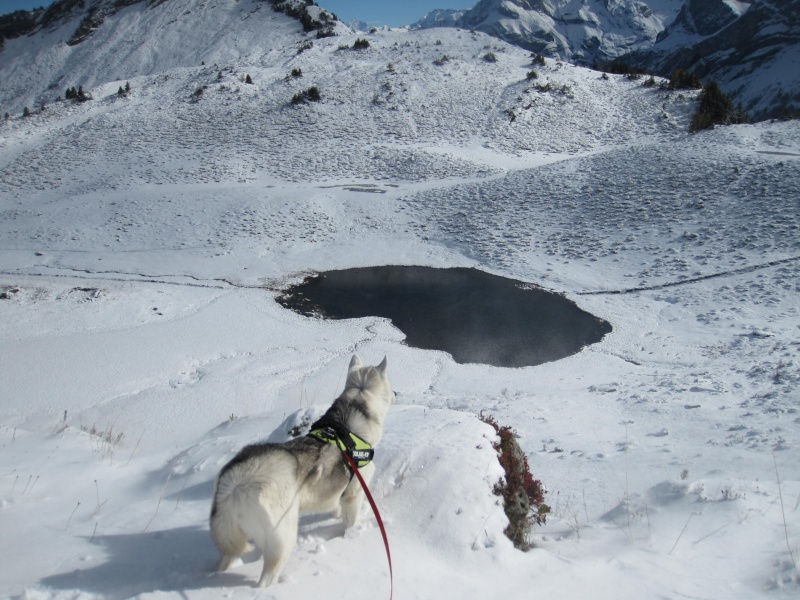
374	12
389	12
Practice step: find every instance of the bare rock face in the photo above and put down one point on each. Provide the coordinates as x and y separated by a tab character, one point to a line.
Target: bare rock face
701	17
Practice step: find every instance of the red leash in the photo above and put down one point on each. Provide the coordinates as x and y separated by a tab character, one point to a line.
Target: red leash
364	487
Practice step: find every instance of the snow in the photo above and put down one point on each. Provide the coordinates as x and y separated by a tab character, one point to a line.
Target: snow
738	6
142	347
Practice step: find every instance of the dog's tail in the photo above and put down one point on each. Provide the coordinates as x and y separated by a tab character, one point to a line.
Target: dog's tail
228	537
236	497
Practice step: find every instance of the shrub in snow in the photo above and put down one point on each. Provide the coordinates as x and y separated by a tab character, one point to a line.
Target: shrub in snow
298	9
523	496
91	21
297	72
26	112
360	44
78	95
441	61
619	67
538	59
490	57
310	95
684	80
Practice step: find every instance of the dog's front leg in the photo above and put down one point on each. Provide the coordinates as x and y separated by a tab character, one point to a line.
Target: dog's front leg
353	496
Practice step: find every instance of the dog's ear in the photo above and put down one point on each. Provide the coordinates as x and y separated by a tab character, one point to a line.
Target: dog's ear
383	366
355	362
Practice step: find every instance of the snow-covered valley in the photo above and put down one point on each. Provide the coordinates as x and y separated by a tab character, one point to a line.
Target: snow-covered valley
145	236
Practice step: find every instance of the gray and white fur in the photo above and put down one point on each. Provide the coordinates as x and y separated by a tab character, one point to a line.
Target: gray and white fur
261	492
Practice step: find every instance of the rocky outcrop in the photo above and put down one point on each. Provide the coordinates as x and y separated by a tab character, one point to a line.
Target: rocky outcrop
701	18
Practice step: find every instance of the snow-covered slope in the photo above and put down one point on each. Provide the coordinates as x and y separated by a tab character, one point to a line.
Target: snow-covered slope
141	38
386	104
144	237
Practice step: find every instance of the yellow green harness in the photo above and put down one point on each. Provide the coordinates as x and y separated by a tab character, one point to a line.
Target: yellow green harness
331	432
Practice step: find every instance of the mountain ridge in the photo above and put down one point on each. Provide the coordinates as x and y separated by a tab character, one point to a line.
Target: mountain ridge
75	47
745	47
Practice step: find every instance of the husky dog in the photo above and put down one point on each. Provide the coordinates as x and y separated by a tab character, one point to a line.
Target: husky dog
261	492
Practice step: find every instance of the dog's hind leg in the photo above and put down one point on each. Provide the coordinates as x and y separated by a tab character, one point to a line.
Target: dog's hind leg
276	544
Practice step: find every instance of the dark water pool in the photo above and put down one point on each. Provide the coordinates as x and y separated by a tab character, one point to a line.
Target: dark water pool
475	316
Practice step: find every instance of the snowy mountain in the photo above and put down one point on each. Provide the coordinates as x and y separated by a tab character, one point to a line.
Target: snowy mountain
584	32
146	232
749	48
446	17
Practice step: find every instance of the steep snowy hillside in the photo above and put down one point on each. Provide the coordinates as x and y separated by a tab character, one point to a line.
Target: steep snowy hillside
145	235
91	42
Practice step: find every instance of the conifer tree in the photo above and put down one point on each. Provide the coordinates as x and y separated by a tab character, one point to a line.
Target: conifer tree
716	108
